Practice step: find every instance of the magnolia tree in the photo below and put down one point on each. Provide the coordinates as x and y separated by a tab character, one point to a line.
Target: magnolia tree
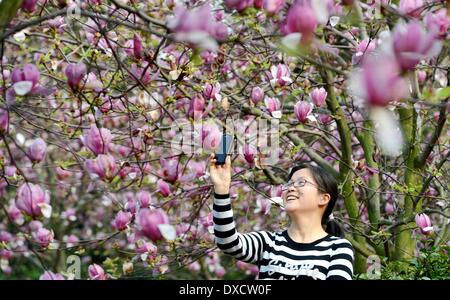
110	109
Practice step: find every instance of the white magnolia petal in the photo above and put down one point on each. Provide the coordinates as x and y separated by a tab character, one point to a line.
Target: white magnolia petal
286	78
334	20
277	114
312	118
144	256
427	229
20	36
46	210
167	231
291	41
321	11
277	200
387	131
22	87
20	138
211	229
174	74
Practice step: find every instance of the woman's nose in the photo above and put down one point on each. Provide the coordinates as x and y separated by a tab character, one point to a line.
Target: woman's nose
292	188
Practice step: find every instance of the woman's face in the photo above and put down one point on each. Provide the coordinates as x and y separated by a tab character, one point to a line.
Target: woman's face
302	199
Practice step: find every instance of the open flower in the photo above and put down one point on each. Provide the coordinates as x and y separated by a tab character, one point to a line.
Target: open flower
424	223
412	43
280	75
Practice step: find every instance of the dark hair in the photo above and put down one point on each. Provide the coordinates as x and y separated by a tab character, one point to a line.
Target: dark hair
327	184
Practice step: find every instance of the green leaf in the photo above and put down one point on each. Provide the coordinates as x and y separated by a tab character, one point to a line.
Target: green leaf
196	58
443	93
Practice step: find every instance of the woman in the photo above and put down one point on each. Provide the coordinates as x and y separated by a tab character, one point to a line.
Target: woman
305	250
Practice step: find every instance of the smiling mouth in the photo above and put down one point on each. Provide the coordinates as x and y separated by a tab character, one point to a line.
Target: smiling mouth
291	198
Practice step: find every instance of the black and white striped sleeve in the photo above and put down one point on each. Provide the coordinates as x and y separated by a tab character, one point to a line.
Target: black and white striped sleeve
341	267
247	247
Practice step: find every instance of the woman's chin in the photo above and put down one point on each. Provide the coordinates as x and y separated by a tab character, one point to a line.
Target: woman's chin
290	206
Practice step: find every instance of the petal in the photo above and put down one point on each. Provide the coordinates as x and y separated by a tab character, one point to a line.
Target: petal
387	131
46	210
167	231
23	87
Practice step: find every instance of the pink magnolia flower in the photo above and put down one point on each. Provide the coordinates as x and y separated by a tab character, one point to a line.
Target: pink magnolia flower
273	106
280	75
44	237
421	76
364	48
163	188
301	18
57	23
92	83
198	168
258	3
220	32
29	5
122	220
137	46
149	221
302	109
4	121
10	170
257	94
62	174
30	199
318	96
144	199
49	275
15	214
197	26
5	236
438	21
212	92
97	2
207	221
104	166
389	208
71	240
25	80
378	81
219	271
146	249
96	140
35	225
411	7
185	20
37	150
75	73
143	72
262	206
96	272
249	153
273	6
424	223
238	5
412	43
211	136
170	169
197	107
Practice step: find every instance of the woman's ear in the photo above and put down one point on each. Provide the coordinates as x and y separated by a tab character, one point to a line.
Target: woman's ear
324	199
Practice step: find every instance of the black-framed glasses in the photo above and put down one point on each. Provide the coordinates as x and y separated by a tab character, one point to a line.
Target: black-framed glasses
298	184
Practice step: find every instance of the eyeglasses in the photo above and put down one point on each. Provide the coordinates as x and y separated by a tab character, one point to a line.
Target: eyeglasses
298	184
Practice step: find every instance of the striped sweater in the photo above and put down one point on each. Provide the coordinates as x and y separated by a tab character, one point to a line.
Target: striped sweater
276	254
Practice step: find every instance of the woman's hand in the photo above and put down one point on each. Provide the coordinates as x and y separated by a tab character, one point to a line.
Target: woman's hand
220	175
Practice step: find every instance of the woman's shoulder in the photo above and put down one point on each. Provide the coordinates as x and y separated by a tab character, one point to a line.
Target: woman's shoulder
339	242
